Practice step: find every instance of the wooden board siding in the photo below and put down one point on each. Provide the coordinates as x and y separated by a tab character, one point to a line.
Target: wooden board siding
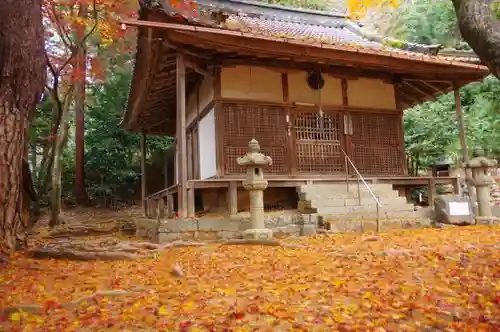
267	124
376	143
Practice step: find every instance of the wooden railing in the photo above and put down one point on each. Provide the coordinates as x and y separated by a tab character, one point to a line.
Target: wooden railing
155	203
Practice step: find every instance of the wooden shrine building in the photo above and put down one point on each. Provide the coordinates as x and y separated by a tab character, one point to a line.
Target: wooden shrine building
311	87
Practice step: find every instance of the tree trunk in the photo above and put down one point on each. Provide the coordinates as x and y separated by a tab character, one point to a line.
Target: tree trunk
61	138
11	147
22	75
80	75
481	29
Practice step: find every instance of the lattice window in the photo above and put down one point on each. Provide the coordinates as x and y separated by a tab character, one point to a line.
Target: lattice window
267	124
318	143
376	148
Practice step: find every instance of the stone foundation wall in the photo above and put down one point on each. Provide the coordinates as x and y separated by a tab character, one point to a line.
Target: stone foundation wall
223	228
286	224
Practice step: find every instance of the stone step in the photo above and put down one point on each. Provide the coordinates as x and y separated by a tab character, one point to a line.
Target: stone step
325	188
360	211
332	202
362	194
387	224
352	192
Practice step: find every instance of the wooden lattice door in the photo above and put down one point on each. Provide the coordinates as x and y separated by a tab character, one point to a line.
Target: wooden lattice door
318	142
376	143
267	124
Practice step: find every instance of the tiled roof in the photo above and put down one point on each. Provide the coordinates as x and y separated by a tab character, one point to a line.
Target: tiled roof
295	30
291	23
299	24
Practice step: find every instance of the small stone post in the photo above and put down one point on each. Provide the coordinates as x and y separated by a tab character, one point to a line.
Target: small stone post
481	180
254	161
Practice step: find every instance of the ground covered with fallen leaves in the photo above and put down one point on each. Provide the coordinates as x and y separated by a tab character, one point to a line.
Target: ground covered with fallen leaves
414	280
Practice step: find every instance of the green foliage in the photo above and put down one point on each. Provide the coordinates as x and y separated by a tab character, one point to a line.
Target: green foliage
112	154
431	129
429	22
495	6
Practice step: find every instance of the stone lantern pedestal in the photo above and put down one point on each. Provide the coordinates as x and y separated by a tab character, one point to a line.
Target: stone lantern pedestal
479	166
255	161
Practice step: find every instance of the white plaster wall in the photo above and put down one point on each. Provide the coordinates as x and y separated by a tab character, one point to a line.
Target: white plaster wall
206	143
199	98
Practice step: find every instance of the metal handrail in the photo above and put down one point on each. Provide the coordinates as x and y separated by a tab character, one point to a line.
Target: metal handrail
360	177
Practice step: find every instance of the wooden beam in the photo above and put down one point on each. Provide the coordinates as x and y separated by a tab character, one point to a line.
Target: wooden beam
144	191
184	49
152	58
417	89
433	87
181	136
463	140
198	69
337	71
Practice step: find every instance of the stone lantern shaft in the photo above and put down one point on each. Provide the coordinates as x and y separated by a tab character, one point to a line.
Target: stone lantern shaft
255	183
482	180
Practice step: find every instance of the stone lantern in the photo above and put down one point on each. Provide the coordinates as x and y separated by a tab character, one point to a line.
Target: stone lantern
255	161
479	166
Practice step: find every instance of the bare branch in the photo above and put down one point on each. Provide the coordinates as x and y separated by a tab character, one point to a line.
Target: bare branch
63	33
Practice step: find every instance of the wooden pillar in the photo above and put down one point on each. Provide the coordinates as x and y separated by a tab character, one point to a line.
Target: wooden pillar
233	197
170	206
291	153
401	131
181	136
347	127
165	170
431	191
191	213
189	144
219	123
154	208
463	140
161	208
144	190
